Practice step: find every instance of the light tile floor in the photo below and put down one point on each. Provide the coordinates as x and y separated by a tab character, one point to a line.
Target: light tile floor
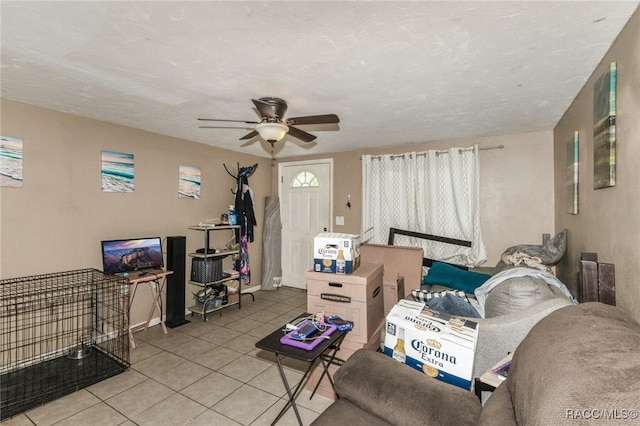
201	373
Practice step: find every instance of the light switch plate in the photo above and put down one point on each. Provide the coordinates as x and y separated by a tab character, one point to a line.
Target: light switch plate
339	220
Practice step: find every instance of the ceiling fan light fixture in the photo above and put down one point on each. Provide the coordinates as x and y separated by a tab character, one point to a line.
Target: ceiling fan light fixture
272	132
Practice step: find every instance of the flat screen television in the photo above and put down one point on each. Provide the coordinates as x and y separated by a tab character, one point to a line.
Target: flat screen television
132	255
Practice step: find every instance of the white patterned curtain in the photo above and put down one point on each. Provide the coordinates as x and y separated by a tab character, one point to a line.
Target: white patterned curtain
433	192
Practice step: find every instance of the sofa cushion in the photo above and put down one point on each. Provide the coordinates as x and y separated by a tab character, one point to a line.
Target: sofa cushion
378	385
456	278
577	360
515	294
342	412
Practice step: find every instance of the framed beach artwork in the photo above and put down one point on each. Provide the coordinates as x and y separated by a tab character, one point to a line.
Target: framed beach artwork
573	158
189	178
10	162
117	172
604	129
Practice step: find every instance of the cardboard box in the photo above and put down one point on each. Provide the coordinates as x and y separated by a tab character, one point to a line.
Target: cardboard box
398	261
326	248
393	292
436	344
357	297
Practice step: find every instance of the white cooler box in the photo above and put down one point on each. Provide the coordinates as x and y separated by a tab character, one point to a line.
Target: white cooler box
436	344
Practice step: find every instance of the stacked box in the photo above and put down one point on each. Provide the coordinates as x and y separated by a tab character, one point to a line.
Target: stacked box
357	297
437	344
327	247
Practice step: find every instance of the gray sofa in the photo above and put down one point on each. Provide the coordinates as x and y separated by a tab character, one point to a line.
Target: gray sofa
579	365
511	309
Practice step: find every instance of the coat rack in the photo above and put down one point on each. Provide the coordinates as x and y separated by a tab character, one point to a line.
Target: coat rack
245	218
242	172
243	200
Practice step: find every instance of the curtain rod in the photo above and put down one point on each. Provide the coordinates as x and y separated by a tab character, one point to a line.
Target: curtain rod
460	151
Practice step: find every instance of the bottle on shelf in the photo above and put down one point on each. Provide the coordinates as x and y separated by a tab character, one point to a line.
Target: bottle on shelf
233	218
341	263
399	353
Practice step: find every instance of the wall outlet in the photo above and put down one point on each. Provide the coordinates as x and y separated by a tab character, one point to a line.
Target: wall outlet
339	220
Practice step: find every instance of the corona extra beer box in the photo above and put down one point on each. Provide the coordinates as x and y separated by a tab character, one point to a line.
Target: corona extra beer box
329	249
435	343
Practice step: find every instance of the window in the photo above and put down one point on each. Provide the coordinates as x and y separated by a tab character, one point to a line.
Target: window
305	179
432	192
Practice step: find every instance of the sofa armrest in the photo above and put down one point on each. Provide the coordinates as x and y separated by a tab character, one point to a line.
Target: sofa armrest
500	335
498	409
401	395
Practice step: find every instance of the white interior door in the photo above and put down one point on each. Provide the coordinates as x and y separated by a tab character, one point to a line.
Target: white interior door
306	194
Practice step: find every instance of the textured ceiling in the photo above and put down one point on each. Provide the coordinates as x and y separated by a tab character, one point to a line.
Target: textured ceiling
394	72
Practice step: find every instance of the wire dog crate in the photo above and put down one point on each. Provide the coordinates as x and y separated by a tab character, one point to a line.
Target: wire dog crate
59	333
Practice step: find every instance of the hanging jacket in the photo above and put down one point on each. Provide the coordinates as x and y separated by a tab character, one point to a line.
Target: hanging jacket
244	207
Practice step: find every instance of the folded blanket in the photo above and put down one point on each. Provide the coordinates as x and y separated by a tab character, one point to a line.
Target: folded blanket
519	258
454	302
549	253
425	296
453	305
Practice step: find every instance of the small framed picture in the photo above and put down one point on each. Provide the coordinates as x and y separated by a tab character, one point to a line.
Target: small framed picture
573	160
604	130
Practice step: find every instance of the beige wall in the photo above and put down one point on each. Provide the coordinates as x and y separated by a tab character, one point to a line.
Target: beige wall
57	220
61	199
516	187
608	222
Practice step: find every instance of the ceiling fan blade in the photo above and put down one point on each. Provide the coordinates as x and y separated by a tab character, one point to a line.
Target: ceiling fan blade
300	134
314	119
249	135
225	127
231	121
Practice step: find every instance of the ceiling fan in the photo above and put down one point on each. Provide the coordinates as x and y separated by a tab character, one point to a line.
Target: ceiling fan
273	126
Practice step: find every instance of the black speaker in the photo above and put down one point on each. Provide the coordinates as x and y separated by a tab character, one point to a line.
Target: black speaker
176	259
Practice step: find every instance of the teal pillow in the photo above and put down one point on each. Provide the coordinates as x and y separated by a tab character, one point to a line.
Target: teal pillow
456	278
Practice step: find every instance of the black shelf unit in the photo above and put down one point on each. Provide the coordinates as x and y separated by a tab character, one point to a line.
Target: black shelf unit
208	253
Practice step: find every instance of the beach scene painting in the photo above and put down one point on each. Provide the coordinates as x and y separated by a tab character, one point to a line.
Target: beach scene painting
10	162
117	172
189	182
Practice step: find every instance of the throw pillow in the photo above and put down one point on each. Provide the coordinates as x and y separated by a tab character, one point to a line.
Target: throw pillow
456	278
516	294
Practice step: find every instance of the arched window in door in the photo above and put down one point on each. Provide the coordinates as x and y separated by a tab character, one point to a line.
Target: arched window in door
305	179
